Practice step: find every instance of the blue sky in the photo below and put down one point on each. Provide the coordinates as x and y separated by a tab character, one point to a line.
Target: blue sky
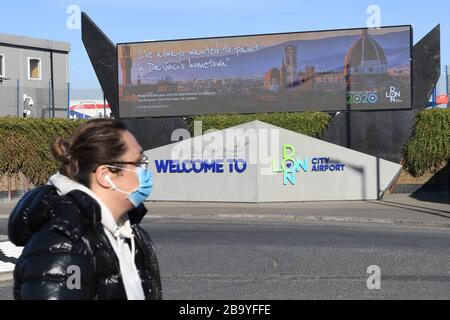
137	20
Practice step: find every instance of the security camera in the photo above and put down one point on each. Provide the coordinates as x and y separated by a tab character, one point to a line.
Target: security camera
3	79
27	104
27	101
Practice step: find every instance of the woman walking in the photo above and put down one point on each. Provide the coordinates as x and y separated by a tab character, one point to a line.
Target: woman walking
81	231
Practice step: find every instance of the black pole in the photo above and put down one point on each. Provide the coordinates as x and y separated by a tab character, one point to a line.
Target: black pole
349	102
52	84
18	97
104	106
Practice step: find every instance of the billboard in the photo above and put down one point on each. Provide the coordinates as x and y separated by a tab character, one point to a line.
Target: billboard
353	69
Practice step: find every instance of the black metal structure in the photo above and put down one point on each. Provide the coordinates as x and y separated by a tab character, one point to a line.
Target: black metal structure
151	133
426	67
384	133
102	53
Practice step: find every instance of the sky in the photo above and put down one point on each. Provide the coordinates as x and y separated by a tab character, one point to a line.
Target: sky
139	20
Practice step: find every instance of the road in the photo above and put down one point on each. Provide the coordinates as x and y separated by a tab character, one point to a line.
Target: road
281	260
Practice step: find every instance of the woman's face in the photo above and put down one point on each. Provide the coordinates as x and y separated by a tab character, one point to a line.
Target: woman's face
124	180
127	180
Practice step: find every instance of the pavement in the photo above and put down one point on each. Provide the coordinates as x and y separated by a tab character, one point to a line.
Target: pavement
394	210
429	211
403	210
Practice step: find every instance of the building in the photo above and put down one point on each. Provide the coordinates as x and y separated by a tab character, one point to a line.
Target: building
29	69
291	65
365	68
126	64
441	91
272	80
365	64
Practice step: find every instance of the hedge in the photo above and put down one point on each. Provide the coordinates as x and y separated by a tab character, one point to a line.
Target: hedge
429	146
25	146
25	143
309	123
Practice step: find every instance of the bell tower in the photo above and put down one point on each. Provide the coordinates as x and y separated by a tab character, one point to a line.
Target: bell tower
290	61
126	63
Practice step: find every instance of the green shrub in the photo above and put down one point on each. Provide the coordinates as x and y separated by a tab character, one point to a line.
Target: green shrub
429	146
309	123
25	146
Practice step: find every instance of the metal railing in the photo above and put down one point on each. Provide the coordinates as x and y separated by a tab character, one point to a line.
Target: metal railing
42	99
441	89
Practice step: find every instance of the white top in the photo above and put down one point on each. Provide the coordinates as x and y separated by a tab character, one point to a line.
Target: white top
116	233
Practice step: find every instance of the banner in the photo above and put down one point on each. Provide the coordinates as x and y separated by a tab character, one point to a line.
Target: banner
355	69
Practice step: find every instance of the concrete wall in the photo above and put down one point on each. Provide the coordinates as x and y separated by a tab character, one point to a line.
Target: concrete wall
365	177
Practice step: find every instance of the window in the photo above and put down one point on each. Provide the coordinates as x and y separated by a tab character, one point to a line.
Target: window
2	65
34	69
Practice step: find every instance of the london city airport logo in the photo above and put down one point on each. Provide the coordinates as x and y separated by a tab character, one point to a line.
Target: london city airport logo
292	165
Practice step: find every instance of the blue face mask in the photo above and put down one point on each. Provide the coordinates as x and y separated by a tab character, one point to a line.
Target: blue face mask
137	197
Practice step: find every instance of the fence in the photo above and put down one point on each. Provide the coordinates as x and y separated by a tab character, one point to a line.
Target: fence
41	101
442	89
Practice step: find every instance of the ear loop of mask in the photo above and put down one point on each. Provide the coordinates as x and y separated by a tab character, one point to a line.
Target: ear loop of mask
113	186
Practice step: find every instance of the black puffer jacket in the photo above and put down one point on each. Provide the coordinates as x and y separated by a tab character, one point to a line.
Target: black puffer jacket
63	231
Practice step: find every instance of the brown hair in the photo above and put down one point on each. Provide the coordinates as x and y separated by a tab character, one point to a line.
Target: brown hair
94	143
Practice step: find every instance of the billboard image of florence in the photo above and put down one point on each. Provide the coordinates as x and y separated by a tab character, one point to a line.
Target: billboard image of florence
357	69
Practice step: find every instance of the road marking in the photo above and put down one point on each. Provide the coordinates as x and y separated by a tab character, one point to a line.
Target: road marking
9	254
6	267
